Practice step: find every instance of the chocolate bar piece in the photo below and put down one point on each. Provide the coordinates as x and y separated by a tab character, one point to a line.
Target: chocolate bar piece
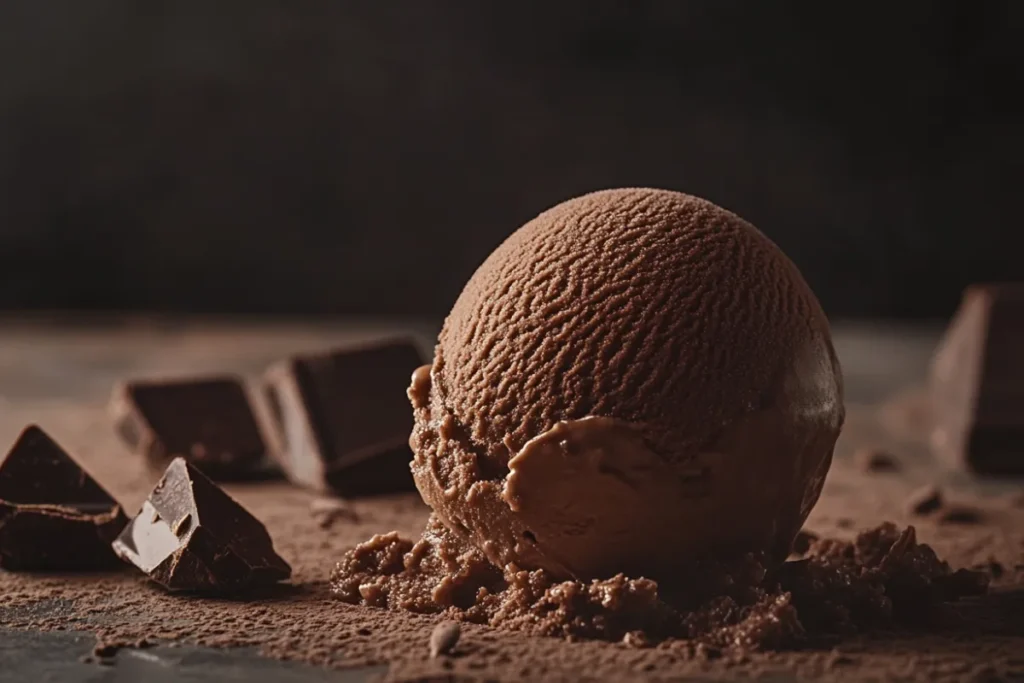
191	536
53	515
344	418
208	421
977	382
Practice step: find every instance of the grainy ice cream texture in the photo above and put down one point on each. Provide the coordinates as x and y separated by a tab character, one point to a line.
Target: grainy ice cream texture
634	379
631	411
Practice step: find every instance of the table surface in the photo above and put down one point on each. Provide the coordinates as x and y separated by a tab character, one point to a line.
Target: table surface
47	365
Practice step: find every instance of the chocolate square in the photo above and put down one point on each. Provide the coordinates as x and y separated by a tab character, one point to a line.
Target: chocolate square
977	382
344	418
209	421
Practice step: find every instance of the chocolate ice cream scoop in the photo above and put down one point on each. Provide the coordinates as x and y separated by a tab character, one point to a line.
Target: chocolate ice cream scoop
633	379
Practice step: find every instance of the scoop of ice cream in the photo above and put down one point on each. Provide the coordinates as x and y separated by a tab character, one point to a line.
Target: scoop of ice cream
633	379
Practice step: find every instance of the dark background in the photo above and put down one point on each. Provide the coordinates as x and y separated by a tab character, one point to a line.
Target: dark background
364	157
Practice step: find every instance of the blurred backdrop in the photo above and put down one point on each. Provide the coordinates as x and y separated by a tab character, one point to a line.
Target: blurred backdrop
362	157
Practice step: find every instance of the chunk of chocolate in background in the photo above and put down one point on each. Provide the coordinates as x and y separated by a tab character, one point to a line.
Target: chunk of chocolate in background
53	515
209	421
344	418
192	536
977	382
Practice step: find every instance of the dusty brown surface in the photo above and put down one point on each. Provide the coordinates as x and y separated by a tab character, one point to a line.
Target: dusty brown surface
302	621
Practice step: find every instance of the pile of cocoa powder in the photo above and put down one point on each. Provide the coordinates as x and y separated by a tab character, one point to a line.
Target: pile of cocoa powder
882	578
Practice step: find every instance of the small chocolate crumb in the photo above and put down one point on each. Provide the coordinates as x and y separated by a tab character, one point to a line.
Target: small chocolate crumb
636	639
876	460
924	500
444	638
105	650
327	511
960	514
802	542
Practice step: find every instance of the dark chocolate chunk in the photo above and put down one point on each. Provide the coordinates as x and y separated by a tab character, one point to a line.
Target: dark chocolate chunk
53	515
208	421
344	418
977	382
191	536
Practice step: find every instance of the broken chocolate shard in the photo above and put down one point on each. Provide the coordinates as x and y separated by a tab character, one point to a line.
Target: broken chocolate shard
344	419
53	515
977	382
192	536
208	421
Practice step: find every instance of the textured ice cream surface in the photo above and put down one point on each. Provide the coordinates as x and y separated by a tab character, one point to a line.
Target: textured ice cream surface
632	379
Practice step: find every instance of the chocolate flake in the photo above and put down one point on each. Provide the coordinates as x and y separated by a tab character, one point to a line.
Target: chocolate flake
214	545
344	418
209	421
53	515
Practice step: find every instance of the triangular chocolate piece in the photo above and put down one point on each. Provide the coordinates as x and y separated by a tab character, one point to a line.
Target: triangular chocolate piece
53	515
344	418
192	536
209	421
977	382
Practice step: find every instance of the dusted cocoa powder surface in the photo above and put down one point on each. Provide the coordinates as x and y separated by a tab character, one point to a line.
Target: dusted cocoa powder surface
976	638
